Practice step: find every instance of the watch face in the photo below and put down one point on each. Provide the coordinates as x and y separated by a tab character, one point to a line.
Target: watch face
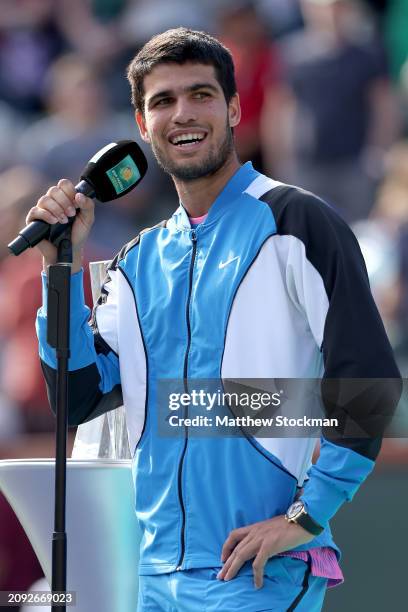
294	510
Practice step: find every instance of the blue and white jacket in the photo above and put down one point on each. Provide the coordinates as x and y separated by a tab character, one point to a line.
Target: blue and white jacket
271	285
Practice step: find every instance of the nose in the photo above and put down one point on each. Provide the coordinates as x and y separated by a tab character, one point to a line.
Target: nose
184	111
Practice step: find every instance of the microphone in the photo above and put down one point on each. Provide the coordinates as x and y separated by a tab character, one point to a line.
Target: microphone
111	173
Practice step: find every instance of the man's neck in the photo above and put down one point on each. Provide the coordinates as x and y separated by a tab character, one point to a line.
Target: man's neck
198	196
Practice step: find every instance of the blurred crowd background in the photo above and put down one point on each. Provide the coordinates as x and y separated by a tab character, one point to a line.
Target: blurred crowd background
324	91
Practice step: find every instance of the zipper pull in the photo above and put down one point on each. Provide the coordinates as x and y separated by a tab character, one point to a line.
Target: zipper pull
193	236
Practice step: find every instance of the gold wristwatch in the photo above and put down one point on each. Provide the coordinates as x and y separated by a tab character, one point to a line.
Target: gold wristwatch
297	513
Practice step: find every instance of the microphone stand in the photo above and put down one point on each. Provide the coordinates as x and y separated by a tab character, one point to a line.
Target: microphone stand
58	308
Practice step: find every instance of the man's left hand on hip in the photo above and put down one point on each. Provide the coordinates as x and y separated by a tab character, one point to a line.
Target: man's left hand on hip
260	541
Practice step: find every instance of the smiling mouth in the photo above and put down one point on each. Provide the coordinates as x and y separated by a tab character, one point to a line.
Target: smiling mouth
187	141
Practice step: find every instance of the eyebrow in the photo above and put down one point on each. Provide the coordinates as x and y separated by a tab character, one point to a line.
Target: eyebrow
191	88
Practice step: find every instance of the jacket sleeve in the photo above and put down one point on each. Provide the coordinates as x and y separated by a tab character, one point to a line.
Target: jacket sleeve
94	377
361	385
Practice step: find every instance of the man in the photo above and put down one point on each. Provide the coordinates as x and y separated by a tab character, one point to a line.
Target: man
248	279
338	140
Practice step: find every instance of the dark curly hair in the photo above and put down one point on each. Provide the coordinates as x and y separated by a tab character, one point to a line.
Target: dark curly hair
181	45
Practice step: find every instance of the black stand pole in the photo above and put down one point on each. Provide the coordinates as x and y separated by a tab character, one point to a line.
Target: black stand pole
58	309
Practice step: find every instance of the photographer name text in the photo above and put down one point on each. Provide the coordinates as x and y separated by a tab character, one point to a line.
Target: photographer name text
248	421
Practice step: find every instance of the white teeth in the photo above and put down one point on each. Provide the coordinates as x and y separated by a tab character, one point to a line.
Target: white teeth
187	137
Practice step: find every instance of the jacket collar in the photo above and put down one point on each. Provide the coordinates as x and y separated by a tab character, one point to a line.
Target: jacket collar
239	181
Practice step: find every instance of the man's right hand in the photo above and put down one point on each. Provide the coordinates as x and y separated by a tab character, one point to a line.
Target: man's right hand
60	202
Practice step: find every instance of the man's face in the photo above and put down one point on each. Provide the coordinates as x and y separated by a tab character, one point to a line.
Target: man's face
187	120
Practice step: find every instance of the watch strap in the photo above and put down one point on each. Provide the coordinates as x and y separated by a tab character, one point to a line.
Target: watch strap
306	521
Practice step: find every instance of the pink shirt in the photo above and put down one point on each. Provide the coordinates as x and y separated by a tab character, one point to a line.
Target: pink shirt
323	560
197	220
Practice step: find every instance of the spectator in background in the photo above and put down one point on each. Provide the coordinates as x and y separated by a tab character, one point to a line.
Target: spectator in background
342	116
383	239
93	28
29	41
96	31
258	77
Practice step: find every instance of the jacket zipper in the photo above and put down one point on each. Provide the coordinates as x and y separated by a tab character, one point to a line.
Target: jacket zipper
185	376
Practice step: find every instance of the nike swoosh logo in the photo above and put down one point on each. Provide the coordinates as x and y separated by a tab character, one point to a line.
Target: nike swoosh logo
225	263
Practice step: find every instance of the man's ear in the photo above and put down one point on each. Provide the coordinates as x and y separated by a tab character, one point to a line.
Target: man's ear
142	126
234	110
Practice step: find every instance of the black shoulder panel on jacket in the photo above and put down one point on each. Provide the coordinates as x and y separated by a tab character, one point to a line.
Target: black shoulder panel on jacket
323	232
358	359
355	344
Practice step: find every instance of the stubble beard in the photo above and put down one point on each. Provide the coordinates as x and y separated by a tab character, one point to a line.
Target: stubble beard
196	170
